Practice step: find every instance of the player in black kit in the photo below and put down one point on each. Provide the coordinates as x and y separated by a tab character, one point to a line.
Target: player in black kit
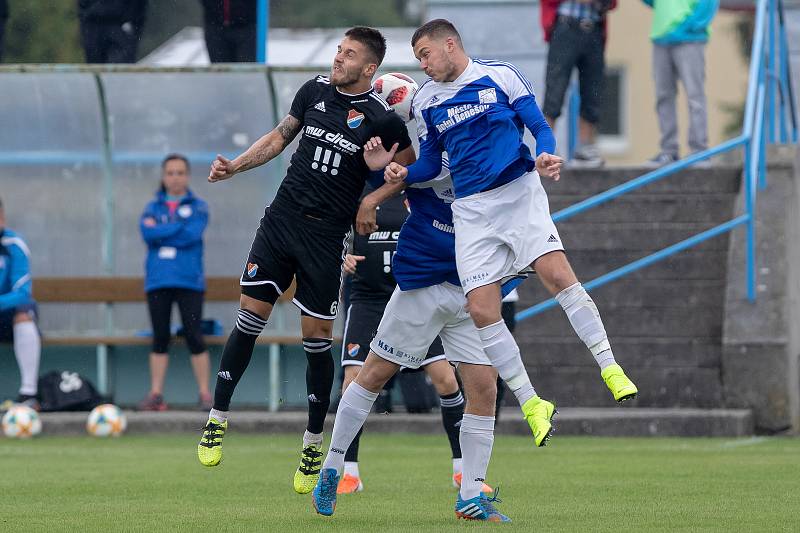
372	284
305	230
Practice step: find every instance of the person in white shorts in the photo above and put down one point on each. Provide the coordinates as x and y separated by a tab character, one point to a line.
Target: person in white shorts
474	110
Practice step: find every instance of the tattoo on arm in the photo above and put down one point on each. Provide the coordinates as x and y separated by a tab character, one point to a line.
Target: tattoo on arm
289	128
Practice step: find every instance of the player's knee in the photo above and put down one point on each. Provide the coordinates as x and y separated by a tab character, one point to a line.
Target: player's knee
259	307
443	379
316	327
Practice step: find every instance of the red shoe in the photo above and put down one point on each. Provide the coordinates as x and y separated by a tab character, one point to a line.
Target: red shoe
153	402
349	484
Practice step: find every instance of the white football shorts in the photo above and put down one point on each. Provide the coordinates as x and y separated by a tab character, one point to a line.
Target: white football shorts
413	319
502	231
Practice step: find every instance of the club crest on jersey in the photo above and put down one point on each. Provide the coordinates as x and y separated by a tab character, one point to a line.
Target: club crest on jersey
352	349
252	268
354	119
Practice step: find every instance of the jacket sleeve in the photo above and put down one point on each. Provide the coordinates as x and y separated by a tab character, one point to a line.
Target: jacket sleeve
191	229
20	276
702	15
154	235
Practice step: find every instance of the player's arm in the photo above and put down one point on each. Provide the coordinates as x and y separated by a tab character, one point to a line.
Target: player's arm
153	232
377	157
523	102
20	277
262	151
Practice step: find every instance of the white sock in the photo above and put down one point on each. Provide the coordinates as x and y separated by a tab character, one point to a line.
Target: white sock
354	407
458	465
585	319
476	437
219	416
28	349
351	468
503	352
312	438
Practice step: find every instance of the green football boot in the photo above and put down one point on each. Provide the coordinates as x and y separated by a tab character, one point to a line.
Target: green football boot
307	474
539	414
618	383
209	451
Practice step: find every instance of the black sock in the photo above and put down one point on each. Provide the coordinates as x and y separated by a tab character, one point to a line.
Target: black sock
352	452
236	356
319	380
452	412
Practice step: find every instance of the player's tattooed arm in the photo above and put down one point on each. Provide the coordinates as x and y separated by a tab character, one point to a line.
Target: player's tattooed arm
262	151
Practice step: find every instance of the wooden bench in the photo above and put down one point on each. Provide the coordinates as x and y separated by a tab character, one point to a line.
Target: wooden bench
111	290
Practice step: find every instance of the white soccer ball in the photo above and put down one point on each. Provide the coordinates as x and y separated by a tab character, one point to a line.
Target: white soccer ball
106	420
397	90
21	422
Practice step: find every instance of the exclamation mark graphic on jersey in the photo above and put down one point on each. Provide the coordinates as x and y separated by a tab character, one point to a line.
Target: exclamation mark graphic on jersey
387	261
317	154
337	157
325	159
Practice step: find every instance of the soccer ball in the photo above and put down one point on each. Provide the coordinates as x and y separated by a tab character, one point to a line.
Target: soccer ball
106	420
397	90
21	422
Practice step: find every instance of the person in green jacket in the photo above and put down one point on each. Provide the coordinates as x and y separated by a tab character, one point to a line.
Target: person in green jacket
679	33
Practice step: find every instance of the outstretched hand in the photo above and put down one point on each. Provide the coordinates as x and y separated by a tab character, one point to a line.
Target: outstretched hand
376	156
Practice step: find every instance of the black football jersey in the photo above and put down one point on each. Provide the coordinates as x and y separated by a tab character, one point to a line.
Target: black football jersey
373	279
327	171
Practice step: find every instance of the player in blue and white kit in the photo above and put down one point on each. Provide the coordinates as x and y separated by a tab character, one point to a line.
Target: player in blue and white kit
427	302
18	310
476	111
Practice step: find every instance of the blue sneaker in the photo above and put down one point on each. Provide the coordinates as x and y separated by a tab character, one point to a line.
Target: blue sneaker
480	508
324	494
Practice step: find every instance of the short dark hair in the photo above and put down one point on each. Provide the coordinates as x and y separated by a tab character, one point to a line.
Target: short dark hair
173	157
436	29
371	38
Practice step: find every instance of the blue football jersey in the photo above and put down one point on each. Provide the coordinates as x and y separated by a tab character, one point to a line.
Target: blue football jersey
426	248
479	120
15	275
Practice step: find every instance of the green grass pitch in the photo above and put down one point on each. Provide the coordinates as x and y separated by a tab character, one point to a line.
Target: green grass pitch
577	484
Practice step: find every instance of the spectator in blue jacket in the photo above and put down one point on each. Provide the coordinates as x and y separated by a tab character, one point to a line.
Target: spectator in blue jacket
679	33
172	226
18	310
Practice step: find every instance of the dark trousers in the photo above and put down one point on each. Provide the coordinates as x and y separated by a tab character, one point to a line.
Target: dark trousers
573	45
190	305
231	44
109	43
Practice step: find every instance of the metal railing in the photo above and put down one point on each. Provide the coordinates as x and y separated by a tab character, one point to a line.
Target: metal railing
769	117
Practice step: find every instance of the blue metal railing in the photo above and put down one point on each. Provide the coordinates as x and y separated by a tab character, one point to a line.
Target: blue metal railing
769	104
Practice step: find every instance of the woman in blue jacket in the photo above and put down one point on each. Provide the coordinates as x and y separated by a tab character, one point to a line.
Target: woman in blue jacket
172	226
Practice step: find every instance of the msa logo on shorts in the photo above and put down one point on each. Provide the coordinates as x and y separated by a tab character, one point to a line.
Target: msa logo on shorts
352	349
252	268
480	276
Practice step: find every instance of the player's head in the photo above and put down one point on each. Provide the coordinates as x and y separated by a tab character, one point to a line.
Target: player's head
437	45
175	174
358	57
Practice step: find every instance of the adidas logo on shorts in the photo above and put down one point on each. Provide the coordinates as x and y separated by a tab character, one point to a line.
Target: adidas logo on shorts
552	238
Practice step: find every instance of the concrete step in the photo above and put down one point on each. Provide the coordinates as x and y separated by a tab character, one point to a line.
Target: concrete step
634	236
588	182
691	264
701	208
631	321
658	386
639	352
615	421
641	293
